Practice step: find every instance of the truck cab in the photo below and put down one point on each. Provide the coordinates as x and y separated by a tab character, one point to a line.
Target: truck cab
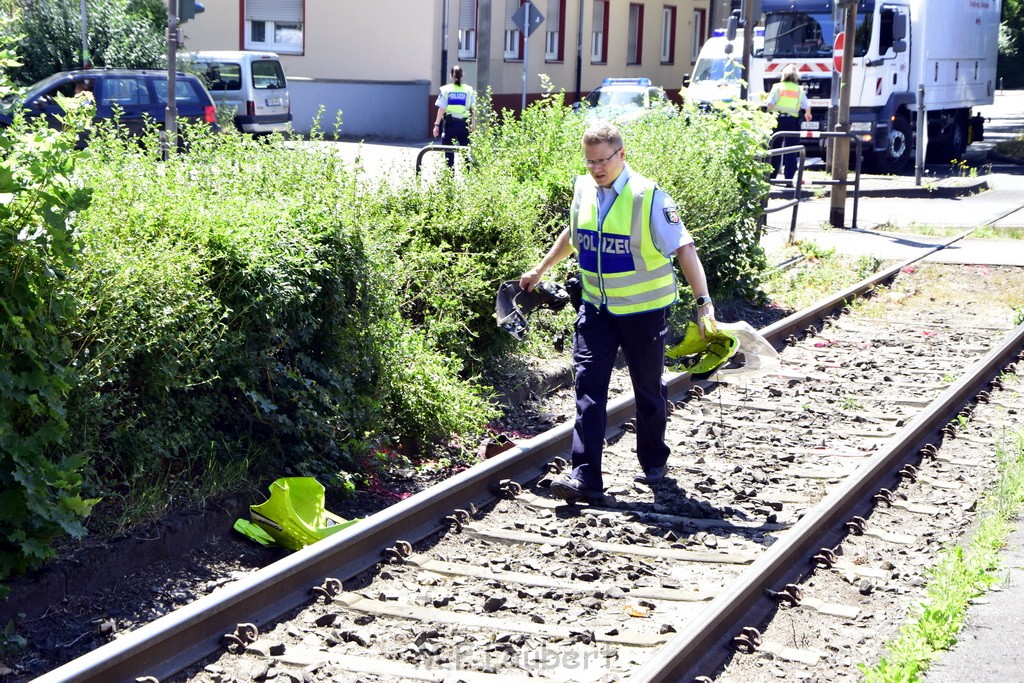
900	46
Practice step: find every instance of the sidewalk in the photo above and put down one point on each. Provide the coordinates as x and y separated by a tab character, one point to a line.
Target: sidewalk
889	203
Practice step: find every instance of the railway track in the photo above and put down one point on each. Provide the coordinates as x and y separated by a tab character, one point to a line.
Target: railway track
795	493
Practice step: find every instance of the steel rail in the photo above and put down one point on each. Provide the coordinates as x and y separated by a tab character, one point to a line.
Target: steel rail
195	631
699	648
191	633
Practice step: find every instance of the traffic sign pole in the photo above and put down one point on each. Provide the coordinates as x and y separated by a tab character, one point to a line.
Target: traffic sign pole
526	50
170	132
527	18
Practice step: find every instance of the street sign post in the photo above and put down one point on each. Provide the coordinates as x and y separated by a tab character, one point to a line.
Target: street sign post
527	19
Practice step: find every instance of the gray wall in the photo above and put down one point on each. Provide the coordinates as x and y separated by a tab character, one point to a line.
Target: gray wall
390	110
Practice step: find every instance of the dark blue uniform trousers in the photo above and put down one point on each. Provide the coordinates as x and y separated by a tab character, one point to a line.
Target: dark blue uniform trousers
786	123
596	341
456	132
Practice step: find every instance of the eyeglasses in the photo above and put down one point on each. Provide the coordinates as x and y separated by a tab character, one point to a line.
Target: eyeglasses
591	163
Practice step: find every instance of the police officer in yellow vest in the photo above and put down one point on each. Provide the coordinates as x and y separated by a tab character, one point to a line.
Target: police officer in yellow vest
455	113
787	97
625	231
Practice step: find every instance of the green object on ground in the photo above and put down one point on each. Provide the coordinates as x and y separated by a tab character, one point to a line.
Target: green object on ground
293	516
701	357
253	531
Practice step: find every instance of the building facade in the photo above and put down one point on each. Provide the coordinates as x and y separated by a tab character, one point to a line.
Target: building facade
381	64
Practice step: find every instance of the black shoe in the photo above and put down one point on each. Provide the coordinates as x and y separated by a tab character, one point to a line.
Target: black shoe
570	489
652	475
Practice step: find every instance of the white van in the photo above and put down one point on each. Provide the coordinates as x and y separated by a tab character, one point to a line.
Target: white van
718	72
253	83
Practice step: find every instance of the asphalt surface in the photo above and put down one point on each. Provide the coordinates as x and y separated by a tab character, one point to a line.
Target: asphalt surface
890	210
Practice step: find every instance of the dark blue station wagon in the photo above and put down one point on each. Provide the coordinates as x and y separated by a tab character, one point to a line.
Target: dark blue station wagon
131	95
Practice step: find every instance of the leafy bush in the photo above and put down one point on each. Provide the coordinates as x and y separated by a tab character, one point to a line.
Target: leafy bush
39	490
256	302
232	298
460	238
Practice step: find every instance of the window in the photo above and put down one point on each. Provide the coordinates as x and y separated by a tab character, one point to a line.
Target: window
599	32
554	34
126	92
467	29
668	34
224	76
513	37
699	31
635	41
274	25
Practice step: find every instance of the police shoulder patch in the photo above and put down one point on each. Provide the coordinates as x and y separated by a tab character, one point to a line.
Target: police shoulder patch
671	215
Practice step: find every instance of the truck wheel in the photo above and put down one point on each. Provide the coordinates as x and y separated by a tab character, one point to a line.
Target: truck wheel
898	152
953	144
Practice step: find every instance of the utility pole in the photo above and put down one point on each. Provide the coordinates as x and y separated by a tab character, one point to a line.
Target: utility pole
444	41
170	134
579	54
483	47
86	62
748	44
841	160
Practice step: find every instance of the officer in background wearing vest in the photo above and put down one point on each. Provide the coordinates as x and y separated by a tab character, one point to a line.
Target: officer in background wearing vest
625	231
455	113
788	98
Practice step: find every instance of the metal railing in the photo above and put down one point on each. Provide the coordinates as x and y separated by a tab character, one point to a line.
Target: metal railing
442	148
794	202
855	182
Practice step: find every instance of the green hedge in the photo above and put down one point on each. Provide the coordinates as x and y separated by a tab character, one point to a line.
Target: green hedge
256	304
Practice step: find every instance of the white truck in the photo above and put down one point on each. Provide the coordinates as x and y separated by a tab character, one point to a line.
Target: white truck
947	46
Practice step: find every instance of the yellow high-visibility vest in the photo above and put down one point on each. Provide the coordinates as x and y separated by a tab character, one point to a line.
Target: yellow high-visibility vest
459	99
620	265
787	100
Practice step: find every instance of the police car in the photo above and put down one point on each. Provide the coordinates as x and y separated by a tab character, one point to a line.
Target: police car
624	99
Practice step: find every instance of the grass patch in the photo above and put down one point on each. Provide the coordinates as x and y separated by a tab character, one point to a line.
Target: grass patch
962	573
1012	148
984	232
814	272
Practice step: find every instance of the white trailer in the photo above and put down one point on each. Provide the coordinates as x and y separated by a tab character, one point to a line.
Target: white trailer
946	47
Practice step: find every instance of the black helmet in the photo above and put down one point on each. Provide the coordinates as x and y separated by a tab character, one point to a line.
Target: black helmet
514	304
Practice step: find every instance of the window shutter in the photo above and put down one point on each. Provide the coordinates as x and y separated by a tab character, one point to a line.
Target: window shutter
553	20
511	7
467	14
634	31
273	10
598	17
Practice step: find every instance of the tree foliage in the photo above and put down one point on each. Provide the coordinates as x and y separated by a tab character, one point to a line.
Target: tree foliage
1011	44
39	490
120	33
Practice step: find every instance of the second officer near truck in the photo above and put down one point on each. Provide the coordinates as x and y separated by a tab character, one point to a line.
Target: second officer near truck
788	98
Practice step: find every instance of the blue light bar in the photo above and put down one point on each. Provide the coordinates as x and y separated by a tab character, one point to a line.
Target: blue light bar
626	81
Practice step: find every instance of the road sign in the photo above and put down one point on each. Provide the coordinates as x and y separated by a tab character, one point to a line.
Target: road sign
188	9
837	51
519	18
